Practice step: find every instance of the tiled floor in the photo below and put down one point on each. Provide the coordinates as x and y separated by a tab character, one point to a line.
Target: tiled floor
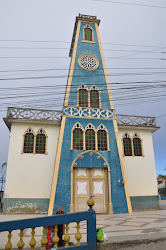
115	226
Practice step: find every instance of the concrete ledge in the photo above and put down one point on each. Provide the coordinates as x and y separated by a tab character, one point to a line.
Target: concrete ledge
29	205
144	202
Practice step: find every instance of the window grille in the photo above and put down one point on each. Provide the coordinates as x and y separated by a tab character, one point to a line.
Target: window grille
78	139
137	145
83	96
94	97
88	62
40	142
88	34
90	137
28	141
102	138
127	145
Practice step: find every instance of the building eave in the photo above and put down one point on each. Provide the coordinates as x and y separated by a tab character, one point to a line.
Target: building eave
9	121
140	127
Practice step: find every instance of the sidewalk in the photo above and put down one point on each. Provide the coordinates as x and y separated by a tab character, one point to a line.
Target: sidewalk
122	229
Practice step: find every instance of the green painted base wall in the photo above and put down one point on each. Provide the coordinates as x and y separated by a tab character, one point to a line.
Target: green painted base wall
13	205
144	202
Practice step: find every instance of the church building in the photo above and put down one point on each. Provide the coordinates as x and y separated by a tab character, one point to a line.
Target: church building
61	159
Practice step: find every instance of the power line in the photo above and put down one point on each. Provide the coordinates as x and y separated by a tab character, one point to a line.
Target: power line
57	76
161	116
112	75
120	95
117	50
54	41
54	69
127	3
62	57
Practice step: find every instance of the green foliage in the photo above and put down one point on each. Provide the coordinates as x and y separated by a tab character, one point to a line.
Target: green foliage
162	191
161	176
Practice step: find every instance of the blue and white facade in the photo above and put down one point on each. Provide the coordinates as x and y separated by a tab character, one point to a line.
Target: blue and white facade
116	197
87	150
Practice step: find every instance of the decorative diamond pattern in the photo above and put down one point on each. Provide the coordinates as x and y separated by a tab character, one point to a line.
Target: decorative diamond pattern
88	62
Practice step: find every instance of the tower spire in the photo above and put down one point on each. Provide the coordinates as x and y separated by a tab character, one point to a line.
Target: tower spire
89	160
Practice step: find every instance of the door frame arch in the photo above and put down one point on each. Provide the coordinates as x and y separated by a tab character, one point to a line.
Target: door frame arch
110	207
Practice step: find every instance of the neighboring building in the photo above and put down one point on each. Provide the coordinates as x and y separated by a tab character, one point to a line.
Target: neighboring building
63	159
161	182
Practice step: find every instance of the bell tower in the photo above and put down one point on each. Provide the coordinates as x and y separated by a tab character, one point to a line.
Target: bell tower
89	160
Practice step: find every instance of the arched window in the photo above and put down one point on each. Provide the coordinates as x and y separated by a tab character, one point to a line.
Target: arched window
88	33
102	138
28	141
94	97
40	142
137	145
83	96
90	137
78	137
127	145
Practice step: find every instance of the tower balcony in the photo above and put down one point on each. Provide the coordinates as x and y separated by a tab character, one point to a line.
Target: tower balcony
54	116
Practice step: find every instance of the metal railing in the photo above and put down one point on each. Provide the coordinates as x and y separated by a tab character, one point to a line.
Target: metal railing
35	114
56	220
133	120
52	115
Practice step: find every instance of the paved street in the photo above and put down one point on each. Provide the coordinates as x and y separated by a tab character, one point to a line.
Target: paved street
150	246
121	229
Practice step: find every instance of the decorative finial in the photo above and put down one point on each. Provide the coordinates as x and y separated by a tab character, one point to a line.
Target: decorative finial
90	203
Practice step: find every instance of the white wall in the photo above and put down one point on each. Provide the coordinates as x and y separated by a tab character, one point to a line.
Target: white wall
30	175
140	171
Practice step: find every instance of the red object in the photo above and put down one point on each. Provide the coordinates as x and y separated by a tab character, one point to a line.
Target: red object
50	234
50	231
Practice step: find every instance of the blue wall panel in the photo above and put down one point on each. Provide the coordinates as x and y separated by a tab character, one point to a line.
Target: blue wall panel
63	194
88	78
97	77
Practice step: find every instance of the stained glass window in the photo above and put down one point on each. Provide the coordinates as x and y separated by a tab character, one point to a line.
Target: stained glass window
102	140
90	139
83	98
28	141
137	146
88	34
127	145
78	139
94	99
41	142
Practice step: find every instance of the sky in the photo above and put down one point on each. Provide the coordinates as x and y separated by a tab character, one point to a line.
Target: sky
35	38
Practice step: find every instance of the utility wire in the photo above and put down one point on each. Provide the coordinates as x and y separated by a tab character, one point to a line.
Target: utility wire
66	57
117	50
128	3
61	69
54	41
112	74
56	77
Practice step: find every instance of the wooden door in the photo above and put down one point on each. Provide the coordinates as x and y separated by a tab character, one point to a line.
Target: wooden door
99	190
81	189
87	183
